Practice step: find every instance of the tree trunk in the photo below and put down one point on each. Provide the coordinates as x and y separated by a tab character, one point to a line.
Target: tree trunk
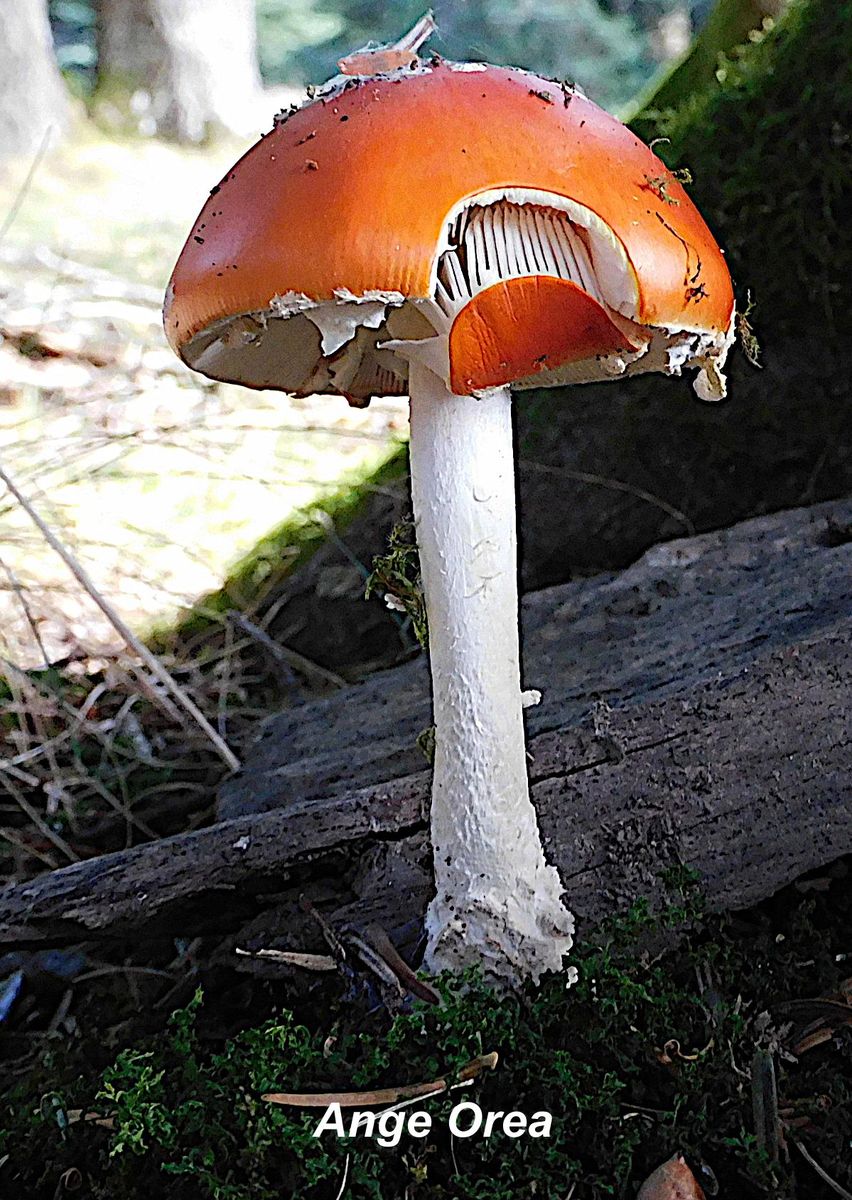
672	33
728	26
129	49
185	69
33	99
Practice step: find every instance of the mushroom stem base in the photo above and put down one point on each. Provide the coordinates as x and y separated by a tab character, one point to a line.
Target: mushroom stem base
497	903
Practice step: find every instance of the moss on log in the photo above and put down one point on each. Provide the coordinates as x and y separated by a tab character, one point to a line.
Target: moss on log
727	28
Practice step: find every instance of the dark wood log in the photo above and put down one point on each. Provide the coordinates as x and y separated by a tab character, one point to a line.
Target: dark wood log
204	880
684	613
697	711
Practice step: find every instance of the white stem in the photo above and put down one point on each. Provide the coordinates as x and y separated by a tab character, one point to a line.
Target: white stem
498	903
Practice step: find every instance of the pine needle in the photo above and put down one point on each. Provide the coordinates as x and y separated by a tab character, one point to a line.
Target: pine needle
123	629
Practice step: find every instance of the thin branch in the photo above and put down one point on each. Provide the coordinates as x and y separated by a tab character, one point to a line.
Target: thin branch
283	654
40	823
21	592
121	969
111	286
821	1171
11	836
293	958
341	1191
28	179
79	719
615	485
123	629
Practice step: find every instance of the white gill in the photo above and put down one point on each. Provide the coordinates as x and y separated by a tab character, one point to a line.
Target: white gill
517	233
520	233
509	241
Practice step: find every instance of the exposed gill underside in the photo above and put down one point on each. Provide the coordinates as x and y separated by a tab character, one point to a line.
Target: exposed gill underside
527	287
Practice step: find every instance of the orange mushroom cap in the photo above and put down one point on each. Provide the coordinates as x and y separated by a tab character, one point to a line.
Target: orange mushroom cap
320	253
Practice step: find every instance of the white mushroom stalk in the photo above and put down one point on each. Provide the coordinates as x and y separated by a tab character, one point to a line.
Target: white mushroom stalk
498	902
546	246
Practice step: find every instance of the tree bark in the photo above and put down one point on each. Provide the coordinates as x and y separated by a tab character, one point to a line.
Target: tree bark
727	27
33	100
723	744
185	69
747	783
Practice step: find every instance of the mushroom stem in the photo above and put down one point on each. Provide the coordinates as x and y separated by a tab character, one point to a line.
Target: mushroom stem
498	903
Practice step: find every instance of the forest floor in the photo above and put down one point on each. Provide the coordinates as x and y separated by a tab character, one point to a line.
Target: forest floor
157	479
140	1070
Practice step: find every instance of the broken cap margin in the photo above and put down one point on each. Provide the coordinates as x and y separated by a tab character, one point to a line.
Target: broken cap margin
315	264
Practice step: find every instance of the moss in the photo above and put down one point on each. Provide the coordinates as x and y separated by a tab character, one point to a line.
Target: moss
770	148
396	576
728	27
265	570
650	1053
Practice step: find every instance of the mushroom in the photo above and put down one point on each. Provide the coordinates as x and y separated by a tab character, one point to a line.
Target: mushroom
449	230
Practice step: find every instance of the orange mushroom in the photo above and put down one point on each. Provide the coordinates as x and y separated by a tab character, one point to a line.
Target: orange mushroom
344	217
447	230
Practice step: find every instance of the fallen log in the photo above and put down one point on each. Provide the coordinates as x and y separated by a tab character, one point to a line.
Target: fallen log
697	712
684	613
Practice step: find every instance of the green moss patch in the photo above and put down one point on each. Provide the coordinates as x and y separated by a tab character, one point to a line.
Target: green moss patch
770	148
654	1050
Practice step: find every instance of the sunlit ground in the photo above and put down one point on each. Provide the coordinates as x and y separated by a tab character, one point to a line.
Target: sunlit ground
155	479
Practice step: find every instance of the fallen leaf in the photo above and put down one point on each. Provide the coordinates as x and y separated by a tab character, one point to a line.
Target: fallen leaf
671	1181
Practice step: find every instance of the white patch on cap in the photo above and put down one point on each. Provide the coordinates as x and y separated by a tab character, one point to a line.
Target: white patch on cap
291	302
372	294
679	354
333	88
339	320
338	323
710	383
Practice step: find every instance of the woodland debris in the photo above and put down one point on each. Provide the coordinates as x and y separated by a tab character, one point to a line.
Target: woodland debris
671	1181
410	1091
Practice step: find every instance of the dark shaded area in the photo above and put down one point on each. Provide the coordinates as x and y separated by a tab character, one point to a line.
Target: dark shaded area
770	150
659	464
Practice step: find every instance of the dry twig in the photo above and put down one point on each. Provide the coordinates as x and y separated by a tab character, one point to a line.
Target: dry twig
821	1171
123	629
615	485
382	1096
